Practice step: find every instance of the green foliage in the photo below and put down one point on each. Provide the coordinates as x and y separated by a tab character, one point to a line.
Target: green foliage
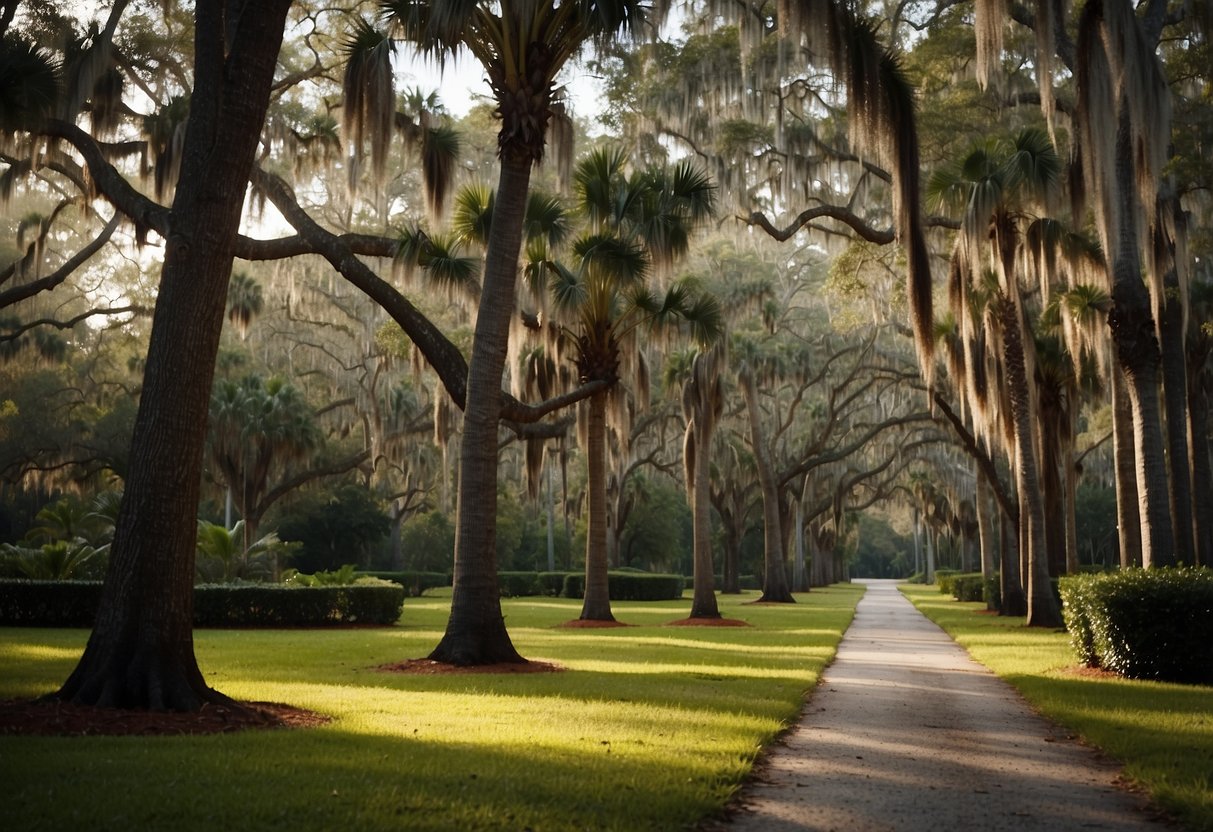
55	561
943	579
222	558
344	576
968	586
881	552
414	582
428	542
334	527
1143	624
74	604
518	584
630	586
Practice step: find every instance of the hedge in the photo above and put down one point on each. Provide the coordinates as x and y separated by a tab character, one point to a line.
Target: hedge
74	604
1143	624
416	583
968	586
630	586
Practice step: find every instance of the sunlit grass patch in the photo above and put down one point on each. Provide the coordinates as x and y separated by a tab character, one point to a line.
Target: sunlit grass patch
1161	732
648	727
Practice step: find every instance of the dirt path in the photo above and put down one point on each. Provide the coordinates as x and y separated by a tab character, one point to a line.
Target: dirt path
906	732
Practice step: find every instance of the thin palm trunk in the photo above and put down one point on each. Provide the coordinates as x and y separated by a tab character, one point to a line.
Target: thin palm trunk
985	529
596	606
1128	518
475	632
1202	474
1175	394
703	602
1014	600
1043	610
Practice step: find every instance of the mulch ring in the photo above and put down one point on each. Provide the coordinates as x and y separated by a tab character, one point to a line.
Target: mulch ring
427	667
590	624
708	622
50	717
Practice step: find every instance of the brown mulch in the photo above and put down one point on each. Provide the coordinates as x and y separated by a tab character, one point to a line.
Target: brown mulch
708	622
587	624
426	667
48	717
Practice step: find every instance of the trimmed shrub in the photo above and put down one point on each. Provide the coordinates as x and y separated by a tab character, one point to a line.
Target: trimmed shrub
414	582
518	584
943	579
74	604
1143	624
25	603
551	583
992	592
630	586
968	586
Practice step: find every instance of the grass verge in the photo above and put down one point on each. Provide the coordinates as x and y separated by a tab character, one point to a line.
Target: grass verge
1162	733
651	727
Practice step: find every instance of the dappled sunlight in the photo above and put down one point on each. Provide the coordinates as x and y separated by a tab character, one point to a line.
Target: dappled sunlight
29	652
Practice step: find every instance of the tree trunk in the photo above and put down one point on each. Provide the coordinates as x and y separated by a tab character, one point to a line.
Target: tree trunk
703	602
141	651
475	631
1128	518
1137	352
1070	479
1043	610
985	530
775	580
1175	394
1014	601
596	605
1054	495
1202	471
800	571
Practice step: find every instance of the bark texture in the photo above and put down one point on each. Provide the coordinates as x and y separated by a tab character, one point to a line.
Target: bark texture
141	651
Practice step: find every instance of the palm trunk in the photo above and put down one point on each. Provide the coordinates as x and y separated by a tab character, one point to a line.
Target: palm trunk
1137	351
1175	394
141	651
1043	610
1202	471
775	580
703	603
597	603
985	530
475	632
1128	518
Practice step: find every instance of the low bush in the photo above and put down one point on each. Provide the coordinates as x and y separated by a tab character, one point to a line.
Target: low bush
518	584
968	586
943	579
74	604
992	591
551	583
630	586
1143	624
414	582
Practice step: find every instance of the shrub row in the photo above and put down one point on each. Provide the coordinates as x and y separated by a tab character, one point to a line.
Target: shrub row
74	604
1143	624
415	583
630	586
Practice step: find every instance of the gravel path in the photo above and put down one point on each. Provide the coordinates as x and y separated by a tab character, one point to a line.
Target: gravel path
906	732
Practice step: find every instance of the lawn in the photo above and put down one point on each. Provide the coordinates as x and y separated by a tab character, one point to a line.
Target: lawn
650	727
1162	733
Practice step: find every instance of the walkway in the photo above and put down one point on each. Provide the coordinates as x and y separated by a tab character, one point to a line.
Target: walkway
906	732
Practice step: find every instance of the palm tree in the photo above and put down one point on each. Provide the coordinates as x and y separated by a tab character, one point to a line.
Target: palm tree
702	407
990	184
244	302
522	46
1123	129
636	221
255	428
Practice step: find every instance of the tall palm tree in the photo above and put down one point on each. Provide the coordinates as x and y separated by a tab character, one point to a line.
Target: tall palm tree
1123	128
992	184
702	407
522	45
638	223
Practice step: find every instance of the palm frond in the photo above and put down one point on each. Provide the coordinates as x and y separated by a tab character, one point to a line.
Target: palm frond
472	216
612	258
439	160
368	93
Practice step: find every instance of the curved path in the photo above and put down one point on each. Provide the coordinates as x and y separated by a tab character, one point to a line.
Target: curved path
906	732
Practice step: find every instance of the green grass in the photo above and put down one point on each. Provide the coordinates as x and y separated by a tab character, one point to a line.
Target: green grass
1162	733
652	727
